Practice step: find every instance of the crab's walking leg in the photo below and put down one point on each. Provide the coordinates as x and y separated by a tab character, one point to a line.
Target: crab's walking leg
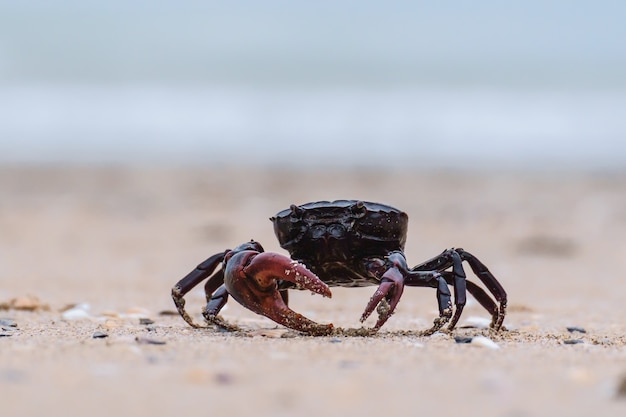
434	279
215	302
478	293
201	272
453	258
487	278
251	278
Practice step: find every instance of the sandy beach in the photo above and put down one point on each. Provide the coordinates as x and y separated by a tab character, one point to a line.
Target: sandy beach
88	257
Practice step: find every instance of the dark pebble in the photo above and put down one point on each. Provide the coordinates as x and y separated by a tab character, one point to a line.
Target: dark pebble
7	323
224	378
573	329
573	341
12	375
3	334
335	340
99	335
621	388
146	321
147	341
168	313
348	364
463	339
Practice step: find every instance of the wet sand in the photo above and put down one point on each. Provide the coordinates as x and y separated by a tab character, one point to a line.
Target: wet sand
117	240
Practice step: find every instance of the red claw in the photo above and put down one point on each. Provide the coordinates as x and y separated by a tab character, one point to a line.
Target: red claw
251	279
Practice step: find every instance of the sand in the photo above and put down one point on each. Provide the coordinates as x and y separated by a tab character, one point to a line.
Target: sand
117	240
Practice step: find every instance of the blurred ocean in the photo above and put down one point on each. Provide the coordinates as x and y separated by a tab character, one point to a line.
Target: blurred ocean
462	84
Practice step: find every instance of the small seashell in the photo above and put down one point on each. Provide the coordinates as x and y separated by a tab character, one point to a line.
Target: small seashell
483	341
78	312
476	322
414	344
581	376
271	333
111	324
28	303
99	335
198	376
137	312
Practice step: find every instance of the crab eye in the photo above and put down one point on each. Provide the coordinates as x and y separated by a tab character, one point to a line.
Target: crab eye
358	209
296	212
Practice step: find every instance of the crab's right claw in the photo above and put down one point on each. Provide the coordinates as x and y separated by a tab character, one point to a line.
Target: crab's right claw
251	279
386	297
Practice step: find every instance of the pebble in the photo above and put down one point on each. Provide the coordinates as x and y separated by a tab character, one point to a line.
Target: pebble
145	321
621	388
99	335
573	341
481	341
7	323
573	329
168	313
148	341
223	378
346	364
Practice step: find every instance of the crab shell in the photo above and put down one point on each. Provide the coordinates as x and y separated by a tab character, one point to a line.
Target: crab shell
340	230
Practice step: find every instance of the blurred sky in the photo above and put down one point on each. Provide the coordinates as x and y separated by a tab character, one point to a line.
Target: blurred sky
471	83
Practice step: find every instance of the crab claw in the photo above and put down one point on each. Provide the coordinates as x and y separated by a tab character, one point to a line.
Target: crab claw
251	279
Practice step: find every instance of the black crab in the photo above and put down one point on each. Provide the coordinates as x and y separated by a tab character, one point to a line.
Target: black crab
343	243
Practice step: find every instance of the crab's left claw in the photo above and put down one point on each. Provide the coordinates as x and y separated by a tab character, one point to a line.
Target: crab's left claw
251	279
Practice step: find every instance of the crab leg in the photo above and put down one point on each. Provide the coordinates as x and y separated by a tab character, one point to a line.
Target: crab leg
251	278
200	273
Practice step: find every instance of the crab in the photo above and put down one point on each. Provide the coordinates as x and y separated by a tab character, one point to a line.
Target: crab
343	243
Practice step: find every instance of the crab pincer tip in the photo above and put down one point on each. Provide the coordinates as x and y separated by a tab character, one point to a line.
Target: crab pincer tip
307	280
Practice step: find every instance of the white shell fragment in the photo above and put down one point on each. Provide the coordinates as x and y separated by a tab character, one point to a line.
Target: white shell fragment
476	322
78	312
483	341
